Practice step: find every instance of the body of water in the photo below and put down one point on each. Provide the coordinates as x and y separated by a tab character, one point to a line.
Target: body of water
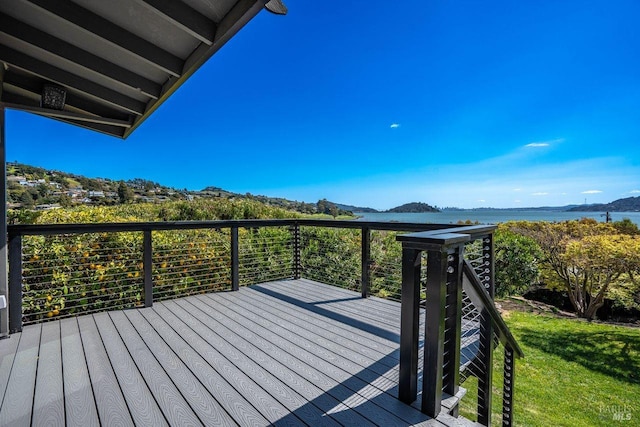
494	216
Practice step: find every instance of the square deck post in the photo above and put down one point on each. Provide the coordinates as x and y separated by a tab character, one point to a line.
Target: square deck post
235	260
148	268
366	261
409	325
4	273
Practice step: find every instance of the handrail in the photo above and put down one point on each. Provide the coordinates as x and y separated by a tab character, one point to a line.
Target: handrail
475	291
49	229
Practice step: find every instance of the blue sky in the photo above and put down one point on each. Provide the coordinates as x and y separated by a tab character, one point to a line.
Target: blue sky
378	103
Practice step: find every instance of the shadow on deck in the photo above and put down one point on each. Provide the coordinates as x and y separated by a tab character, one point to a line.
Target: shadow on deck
292	352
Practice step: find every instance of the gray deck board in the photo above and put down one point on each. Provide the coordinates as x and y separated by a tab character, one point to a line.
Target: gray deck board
290	371
389	310
8	347
204	342
338	302
335	335
380	370
110	403
173	404
197	396
80	406
334	379
48	402
142	405
284	353
270	376
230	399
15	409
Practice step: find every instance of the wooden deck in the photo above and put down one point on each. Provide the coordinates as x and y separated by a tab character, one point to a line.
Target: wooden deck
292	352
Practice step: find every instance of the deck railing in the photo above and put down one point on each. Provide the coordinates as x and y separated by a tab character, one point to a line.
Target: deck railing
62	270
458	297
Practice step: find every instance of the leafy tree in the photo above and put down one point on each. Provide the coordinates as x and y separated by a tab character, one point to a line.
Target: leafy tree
65	201
596	263
125	193
43	190
26	200
589	258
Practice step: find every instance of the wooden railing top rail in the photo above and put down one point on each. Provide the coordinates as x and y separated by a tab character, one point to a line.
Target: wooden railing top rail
449	235
50	229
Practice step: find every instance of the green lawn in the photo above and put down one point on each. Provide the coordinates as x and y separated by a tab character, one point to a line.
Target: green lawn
574	373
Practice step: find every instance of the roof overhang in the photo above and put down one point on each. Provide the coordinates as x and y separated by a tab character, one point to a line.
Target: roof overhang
108	65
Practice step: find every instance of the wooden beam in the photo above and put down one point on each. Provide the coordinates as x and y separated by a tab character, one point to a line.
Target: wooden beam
116	131
238	16
71	53
184	17
74	102
61	114
64	78
96	25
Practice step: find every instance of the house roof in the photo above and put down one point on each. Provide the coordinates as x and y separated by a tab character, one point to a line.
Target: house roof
107	65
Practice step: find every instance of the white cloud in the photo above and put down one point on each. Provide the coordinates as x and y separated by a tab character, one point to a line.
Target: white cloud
634	191
540	144
517	201
537	144
517	189
592	192
394	125
481	200
540	193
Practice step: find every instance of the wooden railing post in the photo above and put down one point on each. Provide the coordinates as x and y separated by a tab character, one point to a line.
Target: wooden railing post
297	259
436	293
15	283
148	268
444	274
409	325
453	323
366	261
235	260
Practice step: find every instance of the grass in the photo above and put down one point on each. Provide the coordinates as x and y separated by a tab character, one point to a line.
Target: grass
575	373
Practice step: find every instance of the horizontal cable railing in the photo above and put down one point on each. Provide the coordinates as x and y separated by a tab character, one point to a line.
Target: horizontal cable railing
187	262
265	254
65	275
386	264
332	256
61	270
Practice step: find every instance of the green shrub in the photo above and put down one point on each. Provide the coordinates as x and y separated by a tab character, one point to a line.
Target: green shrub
517	259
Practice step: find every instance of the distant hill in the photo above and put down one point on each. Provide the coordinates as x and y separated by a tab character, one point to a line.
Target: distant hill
629	204
355	208
414	207
32	187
